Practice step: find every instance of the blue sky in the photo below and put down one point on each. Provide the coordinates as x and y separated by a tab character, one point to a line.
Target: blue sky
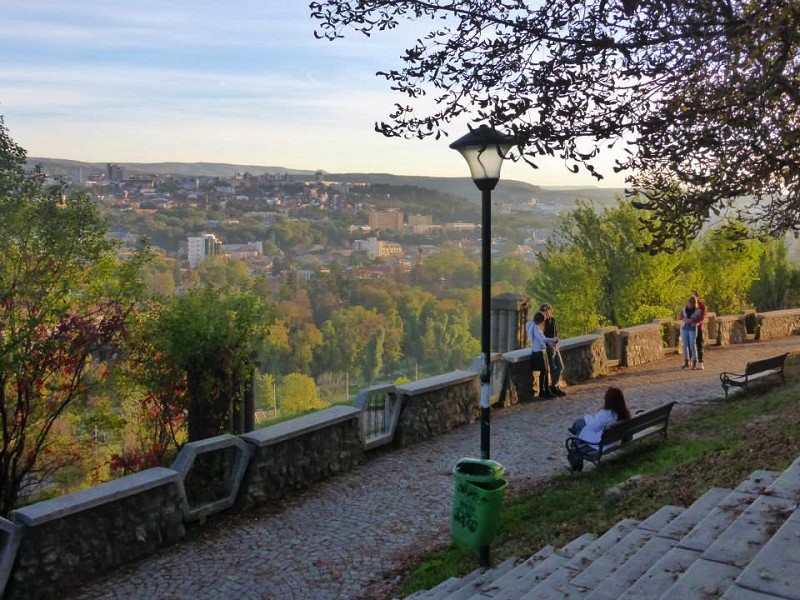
239	81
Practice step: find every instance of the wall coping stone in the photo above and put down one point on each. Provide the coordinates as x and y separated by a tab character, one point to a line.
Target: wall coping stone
55	508
296	427
787	312
726	318
516	356
436	382
8	555
581	340
606	329
640	328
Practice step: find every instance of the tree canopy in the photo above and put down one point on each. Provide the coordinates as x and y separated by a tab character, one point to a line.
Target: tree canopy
700	95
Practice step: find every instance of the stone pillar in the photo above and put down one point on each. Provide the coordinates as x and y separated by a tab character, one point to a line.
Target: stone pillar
507	327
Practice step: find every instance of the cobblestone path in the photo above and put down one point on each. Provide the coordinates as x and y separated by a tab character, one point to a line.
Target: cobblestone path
342	539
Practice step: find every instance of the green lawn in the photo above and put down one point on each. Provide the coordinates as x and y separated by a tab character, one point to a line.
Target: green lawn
716	445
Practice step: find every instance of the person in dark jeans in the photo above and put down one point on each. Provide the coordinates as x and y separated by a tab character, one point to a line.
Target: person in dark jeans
554	359
701	321
539	361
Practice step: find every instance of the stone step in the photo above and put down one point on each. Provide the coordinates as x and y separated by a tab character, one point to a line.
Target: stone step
735	592
758	481
788	484
607	563
660	519
486	577
689	518
517	573
548	588
704	579
626	574
775	569
716	521
513	590
601	545
742	540
658	578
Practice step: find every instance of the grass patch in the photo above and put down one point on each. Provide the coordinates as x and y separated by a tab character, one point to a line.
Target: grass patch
716	445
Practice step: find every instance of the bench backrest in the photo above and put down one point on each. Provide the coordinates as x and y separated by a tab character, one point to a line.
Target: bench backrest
765	364
623	430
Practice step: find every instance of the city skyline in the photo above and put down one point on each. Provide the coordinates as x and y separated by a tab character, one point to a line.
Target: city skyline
240	83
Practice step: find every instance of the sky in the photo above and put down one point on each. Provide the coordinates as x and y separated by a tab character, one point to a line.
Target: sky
237	81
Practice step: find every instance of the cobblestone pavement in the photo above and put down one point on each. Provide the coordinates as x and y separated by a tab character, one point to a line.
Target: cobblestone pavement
345	537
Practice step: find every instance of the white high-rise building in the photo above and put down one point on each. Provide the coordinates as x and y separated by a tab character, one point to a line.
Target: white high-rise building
201	247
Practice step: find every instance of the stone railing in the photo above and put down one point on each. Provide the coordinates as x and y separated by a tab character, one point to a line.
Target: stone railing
777	324
51	546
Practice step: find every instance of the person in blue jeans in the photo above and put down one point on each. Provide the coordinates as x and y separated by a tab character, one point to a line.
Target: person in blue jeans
690	315
553	353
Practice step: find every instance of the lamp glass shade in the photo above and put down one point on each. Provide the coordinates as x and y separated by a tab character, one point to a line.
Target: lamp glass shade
484	149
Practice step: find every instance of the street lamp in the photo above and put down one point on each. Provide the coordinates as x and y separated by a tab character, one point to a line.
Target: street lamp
484	150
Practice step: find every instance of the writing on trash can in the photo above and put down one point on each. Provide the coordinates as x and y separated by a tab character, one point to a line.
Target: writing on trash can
469	499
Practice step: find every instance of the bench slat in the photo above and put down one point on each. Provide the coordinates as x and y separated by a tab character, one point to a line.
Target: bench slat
753	371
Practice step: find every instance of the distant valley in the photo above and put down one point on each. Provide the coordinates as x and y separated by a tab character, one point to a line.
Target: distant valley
508	191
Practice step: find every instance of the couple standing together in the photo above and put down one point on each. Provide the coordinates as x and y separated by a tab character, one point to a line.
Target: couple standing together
693	316
545	356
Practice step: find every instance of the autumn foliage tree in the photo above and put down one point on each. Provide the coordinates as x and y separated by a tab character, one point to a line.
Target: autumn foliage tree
64	300
700	98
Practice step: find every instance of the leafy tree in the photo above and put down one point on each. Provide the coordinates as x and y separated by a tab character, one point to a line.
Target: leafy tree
702	95
298	393
212	336
64	301
778	283
729	268
447	342
347	334
597	263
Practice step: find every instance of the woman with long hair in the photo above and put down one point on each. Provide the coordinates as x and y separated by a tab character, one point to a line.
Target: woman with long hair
589	428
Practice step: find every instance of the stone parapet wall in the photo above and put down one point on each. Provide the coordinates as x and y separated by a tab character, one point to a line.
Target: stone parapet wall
777	324
52	546
584	358
731	329
293	455
72	539
642	344
434	406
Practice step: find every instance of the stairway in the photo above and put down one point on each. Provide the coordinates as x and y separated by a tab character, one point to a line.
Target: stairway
741	544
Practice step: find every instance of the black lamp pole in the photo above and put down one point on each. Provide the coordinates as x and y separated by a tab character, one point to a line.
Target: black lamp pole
484	150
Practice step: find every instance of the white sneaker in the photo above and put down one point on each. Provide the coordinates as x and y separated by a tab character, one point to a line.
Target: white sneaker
701	366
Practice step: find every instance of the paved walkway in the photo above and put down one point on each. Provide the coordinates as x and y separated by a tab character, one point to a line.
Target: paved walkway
345	538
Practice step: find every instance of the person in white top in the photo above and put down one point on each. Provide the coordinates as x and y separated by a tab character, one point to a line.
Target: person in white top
539	361
589	428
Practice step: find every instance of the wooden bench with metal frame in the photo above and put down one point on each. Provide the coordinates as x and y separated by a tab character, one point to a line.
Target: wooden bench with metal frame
621	434
754	371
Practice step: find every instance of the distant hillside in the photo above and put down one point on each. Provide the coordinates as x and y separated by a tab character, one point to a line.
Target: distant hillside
61	166
509	191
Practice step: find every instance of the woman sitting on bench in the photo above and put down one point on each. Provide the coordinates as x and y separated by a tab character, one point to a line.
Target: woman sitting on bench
589	428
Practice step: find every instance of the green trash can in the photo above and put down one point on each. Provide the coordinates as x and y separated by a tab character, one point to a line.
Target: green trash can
478	501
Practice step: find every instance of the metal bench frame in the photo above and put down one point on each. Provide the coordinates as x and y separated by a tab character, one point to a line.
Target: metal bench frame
622	433
754	371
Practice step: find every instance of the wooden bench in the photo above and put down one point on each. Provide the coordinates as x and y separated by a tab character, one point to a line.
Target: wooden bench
754	371
620	435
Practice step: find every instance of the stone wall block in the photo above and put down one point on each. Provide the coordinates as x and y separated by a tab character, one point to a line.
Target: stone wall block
642	344
777	324
290	457
69	540
434	406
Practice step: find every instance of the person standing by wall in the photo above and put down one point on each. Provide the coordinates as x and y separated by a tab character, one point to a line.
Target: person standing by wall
700	340
689	315
556	363
539	361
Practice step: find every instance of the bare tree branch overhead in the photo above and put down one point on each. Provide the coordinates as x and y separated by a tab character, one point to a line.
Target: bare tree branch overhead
701	95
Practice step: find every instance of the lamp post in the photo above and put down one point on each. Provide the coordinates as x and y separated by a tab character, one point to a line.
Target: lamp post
484	150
